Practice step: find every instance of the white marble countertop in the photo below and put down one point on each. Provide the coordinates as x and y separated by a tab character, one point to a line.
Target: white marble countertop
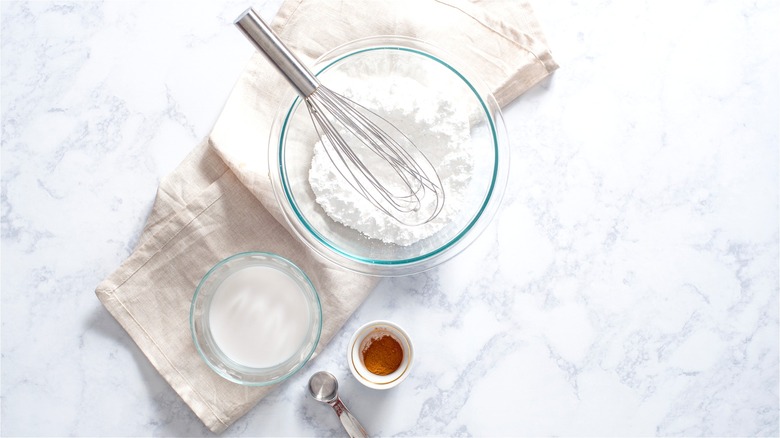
627	287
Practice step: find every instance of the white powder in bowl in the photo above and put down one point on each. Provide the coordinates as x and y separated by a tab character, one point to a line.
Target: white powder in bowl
439	128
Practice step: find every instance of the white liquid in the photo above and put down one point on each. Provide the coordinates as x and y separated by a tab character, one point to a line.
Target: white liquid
259	317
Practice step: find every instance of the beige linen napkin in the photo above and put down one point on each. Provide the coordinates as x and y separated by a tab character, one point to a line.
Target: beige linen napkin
219	201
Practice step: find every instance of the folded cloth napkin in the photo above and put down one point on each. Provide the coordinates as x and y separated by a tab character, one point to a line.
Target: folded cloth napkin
219	201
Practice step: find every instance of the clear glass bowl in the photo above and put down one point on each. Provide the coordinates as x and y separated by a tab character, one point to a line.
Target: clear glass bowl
293	137
204	337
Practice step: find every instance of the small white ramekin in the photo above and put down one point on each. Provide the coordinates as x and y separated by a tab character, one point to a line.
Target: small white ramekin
355	360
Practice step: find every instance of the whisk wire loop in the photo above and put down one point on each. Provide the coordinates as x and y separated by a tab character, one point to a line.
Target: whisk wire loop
396	178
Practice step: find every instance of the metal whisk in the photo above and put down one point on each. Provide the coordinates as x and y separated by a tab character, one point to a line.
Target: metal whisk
372	155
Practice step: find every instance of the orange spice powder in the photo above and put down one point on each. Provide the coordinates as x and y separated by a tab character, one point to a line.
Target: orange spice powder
382	355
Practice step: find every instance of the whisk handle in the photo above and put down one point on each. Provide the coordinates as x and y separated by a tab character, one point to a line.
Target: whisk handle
261	35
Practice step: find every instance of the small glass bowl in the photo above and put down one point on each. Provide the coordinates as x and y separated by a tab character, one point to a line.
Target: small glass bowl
208	347
355	356
291	148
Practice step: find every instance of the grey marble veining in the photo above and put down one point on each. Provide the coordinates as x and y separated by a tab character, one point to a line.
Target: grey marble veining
627	287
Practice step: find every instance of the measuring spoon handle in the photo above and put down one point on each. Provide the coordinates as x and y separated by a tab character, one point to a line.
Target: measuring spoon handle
350	423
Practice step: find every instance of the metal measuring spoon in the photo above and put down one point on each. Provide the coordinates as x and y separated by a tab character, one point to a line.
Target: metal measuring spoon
324	387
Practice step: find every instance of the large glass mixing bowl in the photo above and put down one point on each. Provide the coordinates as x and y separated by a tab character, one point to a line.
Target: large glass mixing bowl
293	137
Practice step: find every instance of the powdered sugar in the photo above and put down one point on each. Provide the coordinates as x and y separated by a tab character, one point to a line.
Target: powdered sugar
439	128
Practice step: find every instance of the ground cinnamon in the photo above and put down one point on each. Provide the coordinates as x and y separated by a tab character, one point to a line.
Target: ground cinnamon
382	355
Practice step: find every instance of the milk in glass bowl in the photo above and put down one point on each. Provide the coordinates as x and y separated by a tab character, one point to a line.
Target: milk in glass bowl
255	318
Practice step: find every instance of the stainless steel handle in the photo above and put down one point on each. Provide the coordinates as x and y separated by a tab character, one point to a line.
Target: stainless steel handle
261	35
350	423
